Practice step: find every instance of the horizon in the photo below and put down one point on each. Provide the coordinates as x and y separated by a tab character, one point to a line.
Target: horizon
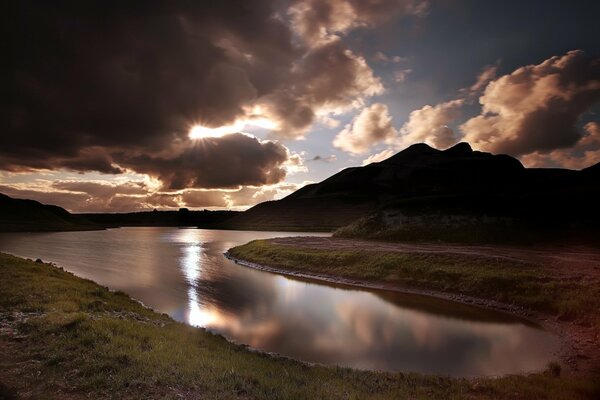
124	109
300	199
244	208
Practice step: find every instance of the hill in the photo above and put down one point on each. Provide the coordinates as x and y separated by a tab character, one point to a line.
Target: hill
183	217
424	184
17	215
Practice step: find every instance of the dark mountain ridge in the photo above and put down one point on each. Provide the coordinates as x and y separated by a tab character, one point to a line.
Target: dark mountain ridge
32	216
421	180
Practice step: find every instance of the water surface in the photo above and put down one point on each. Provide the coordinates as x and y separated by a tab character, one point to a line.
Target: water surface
182	272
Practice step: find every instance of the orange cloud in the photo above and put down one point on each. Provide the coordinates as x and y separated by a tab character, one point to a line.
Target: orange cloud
429	125
372	126
536	107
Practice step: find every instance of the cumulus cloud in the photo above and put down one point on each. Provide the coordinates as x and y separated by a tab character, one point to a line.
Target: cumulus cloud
382	155
227	161
485	76
320	21
90	80
536	107
372	126
429	124
329	79
584	153
119	88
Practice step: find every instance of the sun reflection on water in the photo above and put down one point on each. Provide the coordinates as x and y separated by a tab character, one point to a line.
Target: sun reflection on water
191	263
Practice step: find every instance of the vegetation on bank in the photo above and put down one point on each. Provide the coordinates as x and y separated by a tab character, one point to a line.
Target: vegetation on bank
503	280
395	226
66	337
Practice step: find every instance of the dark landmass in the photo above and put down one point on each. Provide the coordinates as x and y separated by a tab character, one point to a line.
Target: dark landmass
63	337
17	215
453	189
183	217
423	194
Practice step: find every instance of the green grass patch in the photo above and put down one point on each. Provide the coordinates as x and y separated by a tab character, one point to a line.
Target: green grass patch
81	339
498	279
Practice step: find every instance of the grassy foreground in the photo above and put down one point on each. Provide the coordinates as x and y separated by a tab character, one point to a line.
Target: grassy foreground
509	282
66	337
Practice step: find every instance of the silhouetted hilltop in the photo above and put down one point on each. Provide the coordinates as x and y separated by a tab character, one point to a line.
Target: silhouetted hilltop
421	180
183	217
30	215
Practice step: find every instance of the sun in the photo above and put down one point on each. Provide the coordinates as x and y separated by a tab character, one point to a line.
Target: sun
199	131
203	132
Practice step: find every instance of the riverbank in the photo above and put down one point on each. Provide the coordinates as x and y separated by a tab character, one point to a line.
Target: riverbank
66	337
559	288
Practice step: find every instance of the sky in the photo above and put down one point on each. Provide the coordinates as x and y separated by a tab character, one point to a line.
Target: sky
128	106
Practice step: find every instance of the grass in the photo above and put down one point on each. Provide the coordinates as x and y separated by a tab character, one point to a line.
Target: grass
66	337
502	280
459	228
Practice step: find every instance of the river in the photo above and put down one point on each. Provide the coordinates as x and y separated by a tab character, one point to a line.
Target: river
182	272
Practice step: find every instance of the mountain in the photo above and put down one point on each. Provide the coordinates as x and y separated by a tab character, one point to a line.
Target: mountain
422	181
29	215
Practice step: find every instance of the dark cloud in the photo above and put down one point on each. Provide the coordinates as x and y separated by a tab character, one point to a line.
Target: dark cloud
90	81
318	21
98	87
108	75
325	159
584	153
228	161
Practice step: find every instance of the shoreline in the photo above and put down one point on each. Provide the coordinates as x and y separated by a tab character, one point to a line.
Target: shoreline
513	312
569	353
77	339
275	356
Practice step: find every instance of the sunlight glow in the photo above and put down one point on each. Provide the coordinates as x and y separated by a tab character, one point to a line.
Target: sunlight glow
202	132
